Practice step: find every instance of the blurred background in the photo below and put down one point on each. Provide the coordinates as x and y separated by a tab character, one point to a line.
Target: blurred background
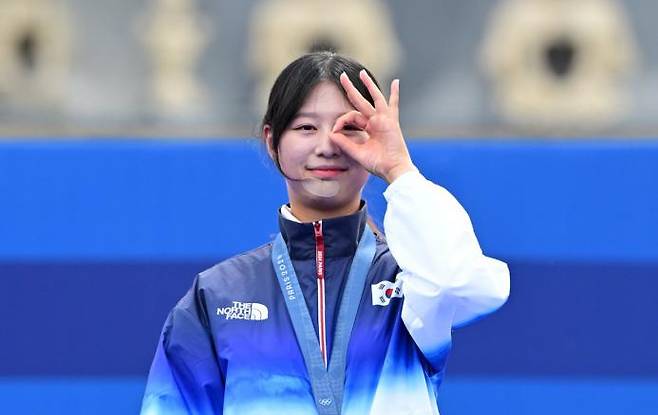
128	139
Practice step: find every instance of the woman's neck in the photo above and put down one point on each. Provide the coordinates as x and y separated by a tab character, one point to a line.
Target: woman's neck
312	214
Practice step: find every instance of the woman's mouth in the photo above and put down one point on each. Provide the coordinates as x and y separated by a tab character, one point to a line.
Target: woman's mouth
326	172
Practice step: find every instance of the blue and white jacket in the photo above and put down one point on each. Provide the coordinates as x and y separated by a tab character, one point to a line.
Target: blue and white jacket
228	346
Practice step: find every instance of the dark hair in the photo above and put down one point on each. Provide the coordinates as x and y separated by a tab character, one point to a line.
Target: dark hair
298	79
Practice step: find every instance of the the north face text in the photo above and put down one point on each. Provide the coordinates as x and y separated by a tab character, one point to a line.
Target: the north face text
243	311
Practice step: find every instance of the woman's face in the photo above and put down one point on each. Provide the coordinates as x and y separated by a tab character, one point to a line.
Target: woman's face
324	177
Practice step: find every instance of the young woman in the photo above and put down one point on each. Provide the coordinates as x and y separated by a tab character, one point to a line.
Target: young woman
330	317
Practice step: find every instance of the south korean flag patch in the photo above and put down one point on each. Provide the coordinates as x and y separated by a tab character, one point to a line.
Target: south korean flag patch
384	291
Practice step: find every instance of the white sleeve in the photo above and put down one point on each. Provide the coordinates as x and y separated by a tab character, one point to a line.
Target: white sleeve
446	280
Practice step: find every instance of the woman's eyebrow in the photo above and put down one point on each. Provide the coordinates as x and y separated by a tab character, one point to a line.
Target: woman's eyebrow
317	115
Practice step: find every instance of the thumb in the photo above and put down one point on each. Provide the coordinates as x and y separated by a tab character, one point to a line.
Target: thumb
347	145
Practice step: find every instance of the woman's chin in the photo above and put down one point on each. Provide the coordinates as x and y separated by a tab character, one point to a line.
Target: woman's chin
322	188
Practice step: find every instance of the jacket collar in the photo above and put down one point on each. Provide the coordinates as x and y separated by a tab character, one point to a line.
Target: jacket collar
341	235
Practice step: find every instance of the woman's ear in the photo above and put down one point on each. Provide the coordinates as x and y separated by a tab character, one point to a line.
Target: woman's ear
267	137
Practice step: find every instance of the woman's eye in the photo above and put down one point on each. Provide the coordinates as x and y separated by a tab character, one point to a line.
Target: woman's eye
350	127
305	127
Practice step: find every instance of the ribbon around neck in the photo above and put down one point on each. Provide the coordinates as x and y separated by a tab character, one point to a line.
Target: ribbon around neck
327	383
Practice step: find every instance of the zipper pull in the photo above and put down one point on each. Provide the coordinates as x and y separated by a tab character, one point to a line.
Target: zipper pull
319	249
317	229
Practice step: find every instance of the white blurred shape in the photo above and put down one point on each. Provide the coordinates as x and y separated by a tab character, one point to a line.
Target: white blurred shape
559	63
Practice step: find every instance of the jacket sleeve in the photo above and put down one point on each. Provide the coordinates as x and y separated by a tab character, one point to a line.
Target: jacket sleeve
185	377
446	280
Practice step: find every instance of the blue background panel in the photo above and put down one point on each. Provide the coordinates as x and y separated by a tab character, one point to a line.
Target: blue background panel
97	319
548	396
100	238
143	199
458	396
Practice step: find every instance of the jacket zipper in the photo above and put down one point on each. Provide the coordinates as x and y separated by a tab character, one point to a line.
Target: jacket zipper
319	271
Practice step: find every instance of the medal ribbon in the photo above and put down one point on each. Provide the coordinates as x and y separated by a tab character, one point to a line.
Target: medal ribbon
328	383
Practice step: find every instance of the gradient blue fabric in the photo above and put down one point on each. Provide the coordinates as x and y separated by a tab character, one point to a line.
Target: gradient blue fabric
209	363
232	344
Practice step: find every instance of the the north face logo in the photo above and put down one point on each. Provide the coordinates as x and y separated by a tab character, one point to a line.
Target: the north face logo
384	291
243	311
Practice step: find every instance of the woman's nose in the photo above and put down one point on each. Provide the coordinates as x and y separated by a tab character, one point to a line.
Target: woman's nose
325	147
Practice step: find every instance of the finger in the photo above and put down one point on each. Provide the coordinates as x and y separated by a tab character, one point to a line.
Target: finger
394	99
354	118
360	103
347	146
375	93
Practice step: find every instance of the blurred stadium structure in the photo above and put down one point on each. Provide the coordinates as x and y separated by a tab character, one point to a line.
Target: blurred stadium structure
202	68
100	237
